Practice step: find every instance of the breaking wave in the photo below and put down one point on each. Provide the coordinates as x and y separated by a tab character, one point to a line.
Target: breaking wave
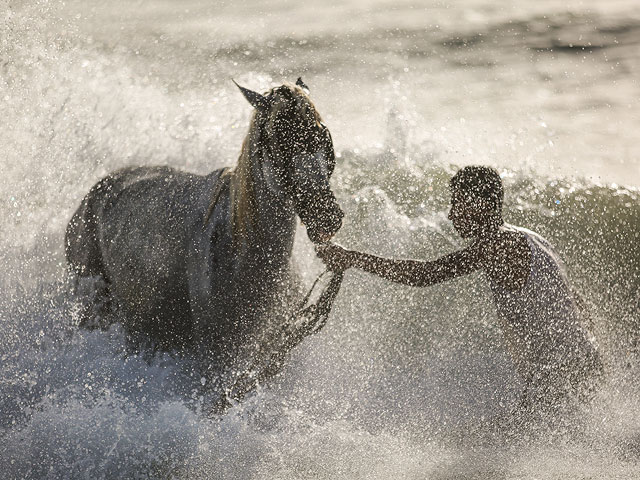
410	383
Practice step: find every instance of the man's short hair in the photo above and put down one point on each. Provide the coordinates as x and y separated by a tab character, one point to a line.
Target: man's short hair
480	182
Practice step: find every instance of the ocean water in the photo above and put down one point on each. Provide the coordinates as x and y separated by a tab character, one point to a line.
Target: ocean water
402	382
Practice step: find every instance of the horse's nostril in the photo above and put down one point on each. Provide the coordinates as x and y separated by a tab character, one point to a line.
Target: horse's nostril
337	220
337	216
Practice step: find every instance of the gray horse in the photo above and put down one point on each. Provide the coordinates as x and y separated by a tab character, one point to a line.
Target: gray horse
204	262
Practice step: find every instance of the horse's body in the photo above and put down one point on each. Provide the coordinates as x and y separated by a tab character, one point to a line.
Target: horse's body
203	261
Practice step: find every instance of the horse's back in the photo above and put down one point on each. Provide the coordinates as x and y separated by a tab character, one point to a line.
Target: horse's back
134	228
83	234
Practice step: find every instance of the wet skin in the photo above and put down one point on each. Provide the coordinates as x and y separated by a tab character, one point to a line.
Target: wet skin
497	248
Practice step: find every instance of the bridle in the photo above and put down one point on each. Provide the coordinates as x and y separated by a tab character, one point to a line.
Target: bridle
271	154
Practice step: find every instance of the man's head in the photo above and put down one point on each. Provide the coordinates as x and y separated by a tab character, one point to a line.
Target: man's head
476	200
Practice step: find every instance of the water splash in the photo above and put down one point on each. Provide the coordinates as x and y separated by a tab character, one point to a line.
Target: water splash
409	383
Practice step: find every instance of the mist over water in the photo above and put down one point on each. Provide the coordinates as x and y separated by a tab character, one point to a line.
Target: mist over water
402	382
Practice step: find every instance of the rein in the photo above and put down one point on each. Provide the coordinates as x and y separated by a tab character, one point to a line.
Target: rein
304	321
314	317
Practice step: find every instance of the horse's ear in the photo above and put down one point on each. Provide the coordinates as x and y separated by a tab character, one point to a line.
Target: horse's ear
256	100
302	85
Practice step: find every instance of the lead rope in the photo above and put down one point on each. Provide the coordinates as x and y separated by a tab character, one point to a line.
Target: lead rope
303	322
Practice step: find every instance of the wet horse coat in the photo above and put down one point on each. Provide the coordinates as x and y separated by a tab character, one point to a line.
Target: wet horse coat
203	261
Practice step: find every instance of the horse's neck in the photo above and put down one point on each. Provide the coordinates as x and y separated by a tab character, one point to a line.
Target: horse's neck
264	225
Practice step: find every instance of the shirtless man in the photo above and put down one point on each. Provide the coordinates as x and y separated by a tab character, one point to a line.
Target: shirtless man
552	350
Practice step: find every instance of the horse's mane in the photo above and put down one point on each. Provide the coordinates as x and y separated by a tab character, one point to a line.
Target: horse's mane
243	192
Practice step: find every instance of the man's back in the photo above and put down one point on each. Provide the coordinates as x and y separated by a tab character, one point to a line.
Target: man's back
542	323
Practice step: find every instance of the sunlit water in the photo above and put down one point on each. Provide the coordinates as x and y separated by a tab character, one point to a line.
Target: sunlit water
402	383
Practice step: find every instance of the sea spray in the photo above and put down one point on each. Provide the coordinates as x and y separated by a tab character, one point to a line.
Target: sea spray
402	382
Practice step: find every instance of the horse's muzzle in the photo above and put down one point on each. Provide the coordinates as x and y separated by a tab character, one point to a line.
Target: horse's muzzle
322	218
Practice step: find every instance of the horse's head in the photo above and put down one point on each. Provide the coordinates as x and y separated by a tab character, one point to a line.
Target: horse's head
297	156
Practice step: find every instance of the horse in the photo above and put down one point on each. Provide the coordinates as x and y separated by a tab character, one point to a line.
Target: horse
205	262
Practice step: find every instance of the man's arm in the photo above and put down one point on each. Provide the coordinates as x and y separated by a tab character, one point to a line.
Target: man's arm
407	272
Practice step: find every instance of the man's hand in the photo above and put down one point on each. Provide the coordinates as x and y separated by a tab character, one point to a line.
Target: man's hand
335	257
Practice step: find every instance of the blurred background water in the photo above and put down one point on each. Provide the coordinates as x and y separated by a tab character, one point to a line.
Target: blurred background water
404	383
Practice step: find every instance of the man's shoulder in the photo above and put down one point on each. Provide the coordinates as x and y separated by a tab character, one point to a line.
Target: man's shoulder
542	249
528	234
